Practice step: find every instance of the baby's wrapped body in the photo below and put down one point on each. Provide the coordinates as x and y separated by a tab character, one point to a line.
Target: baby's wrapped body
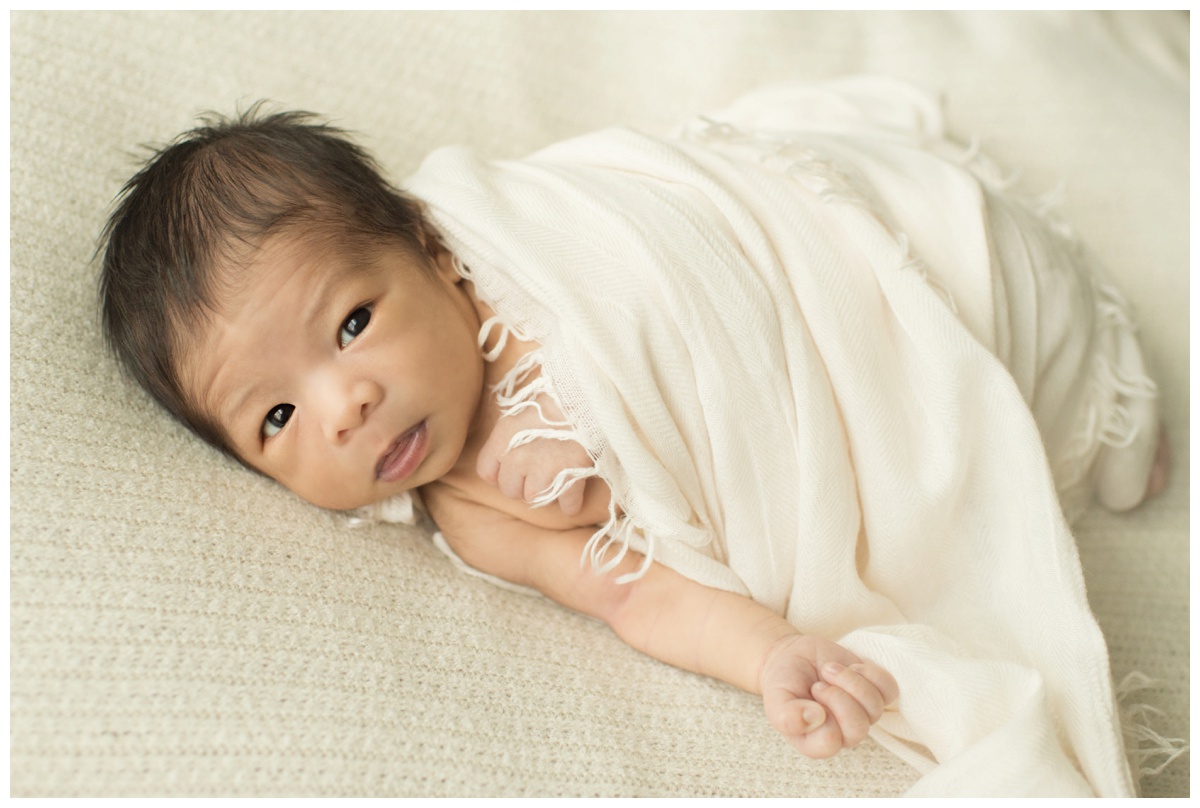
822	360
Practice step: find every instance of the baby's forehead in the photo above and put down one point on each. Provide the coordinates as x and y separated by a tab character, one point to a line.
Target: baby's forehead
249	284
248	273
258	298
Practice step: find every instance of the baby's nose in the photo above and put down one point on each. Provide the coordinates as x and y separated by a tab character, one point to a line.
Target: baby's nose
352	419
350	409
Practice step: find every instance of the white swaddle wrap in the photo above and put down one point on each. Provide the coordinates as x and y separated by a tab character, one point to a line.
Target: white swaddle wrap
777	335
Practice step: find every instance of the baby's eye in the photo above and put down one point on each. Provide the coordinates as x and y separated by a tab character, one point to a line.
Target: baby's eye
276	419
353	325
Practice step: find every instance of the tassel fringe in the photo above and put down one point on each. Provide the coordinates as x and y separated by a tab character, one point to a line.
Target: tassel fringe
1149	752
616	532
1107	420
519	390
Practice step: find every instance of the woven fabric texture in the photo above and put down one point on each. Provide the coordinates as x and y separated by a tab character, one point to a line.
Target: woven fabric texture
181	627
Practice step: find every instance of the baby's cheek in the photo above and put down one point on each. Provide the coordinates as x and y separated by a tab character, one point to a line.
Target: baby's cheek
326	485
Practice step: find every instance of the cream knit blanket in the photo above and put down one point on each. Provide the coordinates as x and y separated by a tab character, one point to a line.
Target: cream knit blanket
801	340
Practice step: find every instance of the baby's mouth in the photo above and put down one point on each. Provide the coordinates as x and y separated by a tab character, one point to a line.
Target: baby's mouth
404	455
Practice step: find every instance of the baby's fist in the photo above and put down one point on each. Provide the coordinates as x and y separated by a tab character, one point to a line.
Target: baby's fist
822	697
526	471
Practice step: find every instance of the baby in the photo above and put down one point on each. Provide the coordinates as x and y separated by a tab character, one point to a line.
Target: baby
267	286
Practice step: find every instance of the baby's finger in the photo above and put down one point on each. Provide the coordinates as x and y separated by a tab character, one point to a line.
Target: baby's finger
571	501
883	681
535	484
511	481
854	681
851	718
790	715
823	741
487	465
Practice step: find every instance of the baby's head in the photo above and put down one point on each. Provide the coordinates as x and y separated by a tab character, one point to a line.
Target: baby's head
265	284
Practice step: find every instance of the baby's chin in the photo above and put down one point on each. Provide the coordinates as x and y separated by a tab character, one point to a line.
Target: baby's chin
350	501
345	501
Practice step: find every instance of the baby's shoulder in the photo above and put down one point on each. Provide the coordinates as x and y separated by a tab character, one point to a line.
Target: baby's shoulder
498	542
460	514
469	506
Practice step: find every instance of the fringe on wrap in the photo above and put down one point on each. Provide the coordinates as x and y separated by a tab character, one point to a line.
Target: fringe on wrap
519	390
1149	752
1110	395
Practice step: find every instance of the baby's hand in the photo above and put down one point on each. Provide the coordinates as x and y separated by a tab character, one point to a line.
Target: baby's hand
528	470
820	696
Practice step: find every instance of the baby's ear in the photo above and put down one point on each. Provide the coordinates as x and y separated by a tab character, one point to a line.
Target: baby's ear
439	256
431	242
442	261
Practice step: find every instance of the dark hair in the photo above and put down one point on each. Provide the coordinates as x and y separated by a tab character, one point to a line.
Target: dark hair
209	199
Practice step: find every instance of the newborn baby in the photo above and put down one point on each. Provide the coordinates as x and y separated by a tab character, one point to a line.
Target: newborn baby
736	393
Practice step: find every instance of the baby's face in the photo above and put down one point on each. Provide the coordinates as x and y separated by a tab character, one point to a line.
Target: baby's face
346	378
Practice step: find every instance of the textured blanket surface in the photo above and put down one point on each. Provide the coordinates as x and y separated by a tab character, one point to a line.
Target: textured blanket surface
786	401
180	627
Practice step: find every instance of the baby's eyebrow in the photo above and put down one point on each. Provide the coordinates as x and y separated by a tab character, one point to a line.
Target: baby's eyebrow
237	406
319	302
336	272
233	417
228	393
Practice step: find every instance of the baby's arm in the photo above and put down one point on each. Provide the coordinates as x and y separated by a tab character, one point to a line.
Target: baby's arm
818	694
